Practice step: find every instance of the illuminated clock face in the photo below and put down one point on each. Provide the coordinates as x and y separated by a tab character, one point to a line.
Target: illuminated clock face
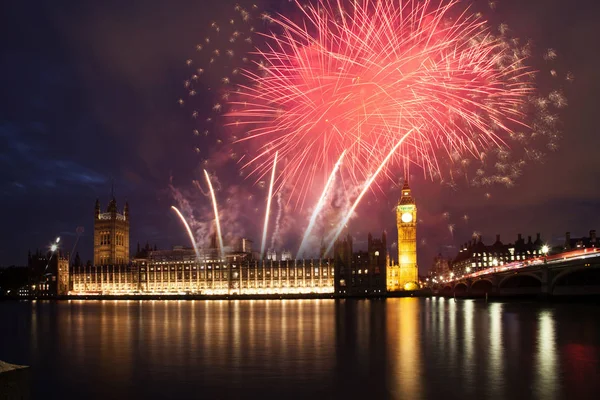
406	217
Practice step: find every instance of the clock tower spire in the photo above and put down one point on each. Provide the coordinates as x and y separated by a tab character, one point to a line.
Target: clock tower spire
406	197
405	276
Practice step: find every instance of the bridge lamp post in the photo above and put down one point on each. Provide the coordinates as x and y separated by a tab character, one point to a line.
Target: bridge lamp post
545	250
495	262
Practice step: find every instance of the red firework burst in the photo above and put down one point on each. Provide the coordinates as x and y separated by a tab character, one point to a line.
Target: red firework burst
357	79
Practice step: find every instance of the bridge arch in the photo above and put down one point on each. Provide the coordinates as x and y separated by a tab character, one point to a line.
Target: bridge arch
461	288
447	289
481	287
520	280
578	276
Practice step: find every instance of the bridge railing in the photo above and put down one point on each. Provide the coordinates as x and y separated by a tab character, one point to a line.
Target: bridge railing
553	259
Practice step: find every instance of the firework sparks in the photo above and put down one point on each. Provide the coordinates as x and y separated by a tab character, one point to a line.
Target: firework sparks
332	83
216	211
189	231
268	211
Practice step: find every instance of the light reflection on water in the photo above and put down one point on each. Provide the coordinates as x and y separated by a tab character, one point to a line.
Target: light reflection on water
495	387
404	348
546	357
468	344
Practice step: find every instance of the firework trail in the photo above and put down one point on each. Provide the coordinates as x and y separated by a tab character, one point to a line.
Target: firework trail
268	211
366	187
189	231
216	211
356	79
319	205
78	231
277	220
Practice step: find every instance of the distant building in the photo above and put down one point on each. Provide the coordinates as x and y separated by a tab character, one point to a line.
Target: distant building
271	255
580	243
362	272
475	255
63	285
440	267
14	282
242	245
286	255
405	274
48	274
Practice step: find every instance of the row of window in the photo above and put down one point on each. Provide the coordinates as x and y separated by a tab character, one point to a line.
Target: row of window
245	271
172	276
274	264
105	238
105	260
132	286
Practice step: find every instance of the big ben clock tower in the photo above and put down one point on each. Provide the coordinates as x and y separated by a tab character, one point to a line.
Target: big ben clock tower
406	221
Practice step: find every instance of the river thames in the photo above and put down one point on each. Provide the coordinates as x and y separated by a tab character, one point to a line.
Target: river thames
402	348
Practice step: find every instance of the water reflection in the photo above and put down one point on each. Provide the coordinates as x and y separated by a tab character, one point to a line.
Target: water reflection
496	382
468	316
403	348
405	342
546	377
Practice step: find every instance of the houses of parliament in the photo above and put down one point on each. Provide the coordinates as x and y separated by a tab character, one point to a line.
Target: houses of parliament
242	271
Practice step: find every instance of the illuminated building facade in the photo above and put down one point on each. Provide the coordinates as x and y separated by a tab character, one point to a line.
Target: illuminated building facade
405	275
63	276
180	272
476	255
111	235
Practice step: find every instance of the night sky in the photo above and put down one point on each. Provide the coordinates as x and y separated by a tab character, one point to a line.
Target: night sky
89	95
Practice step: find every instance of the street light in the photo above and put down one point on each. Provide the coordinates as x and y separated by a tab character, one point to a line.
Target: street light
545	249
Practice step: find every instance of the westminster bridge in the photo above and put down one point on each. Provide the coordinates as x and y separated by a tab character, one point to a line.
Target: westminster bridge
573	273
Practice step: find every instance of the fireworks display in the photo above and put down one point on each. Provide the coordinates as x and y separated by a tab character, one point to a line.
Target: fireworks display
385	85
357	78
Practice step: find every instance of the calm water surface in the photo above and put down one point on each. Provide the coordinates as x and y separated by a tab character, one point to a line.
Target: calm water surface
397	348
